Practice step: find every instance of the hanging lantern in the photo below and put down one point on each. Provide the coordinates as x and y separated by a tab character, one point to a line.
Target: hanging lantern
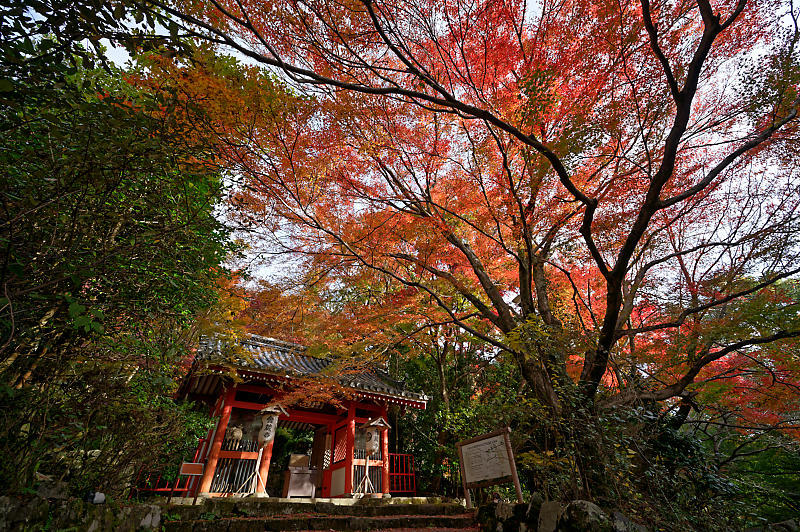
372	434
269	423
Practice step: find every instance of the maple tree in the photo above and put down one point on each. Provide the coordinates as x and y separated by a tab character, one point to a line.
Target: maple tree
621	225
604	194
598	181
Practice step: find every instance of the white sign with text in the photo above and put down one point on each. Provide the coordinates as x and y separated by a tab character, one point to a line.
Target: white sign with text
486	460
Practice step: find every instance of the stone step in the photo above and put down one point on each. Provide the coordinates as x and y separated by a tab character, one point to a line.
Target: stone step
271	507
464	521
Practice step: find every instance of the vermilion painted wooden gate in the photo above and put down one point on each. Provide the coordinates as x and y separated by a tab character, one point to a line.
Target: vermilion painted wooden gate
402	477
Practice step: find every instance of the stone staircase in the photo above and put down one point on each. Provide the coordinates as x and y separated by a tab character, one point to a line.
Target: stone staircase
234	515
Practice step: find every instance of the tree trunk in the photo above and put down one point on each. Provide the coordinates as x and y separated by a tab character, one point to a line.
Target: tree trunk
537	376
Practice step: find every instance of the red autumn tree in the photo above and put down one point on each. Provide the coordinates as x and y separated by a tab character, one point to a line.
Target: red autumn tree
610	187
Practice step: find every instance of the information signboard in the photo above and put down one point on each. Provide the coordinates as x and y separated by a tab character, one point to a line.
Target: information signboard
487	460
191	469
188	469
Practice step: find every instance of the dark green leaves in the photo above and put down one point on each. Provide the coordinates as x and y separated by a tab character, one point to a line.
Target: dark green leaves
109	248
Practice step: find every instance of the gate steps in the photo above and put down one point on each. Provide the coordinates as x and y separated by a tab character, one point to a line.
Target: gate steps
235	515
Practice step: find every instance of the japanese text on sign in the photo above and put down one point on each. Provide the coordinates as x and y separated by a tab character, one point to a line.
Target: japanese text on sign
486	460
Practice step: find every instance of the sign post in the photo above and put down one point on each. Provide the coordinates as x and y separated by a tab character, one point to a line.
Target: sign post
487	460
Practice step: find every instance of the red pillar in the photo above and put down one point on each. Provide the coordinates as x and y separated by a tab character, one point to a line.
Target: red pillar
385	455
351	445
263	468
216	445
326	473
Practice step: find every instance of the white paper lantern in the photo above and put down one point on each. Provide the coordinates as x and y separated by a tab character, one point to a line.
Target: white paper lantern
372	440
372	434
269	423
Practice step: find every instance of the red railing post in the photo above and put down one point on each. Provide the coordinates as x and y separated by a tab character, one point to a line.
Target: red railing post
402	476
144	482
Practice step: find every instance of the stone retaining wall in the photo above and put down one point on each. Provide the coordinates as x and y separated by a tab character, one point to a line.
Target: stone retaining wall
553	516
35	513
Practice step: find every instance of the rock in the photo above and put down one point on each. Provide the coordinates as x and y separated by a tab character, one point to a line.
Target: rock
7	509
620	523
53	490
38	513
532	514
152	519
96	497
486	515
784	526
100	518
583	516
126	519
549	513
34	511
73	510
504	511
503	516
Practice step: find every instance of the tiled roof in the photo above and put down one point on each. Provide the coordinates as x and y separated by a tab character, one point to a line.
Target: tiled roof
285	358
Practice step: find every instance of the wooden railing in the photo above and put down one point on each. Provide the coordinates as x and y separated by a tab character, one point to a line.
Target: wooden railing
153	482
402	477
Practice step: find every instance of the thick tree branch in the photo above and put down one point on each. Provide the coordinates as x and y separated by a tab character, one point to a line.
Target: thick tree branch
653	34
681	319
678	387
